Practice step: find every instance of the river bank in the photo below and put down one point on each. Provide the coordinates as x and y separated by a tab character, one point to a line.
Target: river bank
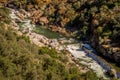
41	41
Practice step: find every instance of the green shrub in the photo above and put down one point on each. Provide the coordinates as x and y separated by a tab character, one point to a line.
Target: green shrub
26	38
4	15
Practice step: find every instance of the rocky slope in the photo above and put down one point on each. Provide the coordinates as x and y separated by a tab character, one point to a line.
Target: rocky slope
76	55
96	21
22	60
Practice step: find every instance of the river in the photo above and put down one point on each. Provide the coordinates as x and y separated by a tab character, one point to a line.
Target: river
70	44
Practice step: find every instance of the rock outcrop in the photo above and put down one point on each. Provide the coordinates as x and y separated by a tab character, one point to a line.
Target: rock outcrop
40	40
37	17
43	20
59	30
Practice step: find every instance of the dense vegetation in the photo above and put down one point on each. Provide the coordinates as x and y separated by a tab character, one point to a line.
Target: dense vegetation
97	21
4	17
21	60
97	17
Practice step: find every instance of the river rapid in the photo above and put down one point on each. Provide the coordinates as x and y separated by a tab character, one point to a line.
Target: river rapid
57	41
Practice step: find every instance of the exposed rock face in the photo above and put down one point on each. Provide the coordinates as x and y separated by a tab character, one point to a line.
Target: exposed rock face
43	20
41	41
35	38
37	17
59	29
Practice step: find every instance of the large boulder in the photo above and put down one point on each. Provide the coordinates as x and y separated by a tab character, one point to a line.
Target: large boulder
43	20
37	17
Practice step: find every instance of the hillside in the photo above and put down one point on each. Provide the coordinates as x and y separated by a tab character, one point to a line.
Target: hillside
94	21
22	60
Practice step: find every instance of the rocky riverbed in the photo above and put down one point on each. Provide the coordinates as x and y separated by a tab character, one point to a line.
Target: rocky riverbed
25	27
22	24
79	54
